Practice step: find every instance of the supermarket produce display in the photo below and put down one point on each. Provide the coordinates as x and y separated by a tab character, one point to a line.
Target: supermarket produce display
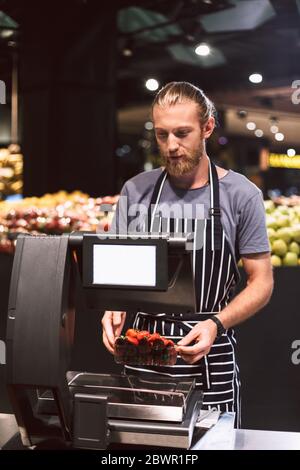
53	214
283	225
11	171
64	212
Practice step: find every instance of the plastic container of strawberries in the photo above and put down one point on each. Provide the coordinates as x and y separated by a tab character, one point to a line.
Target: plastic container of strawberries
143	348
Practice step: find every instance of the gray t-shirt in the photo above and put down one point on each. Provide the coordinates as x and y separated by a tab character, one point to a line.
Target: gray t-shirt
241	203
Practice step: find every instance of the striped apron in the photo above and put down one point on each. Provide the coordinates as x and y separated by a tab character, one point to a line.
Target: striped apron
215	275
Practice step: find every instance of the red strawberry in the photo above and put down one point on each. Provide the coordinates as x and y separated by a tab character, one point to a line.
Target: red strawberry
154	336
131	333
158	344
142	334
132	340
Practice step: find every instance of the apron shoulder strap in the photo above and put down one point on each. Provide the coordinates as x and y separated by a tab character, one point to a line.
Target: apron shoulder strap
215	211
155	197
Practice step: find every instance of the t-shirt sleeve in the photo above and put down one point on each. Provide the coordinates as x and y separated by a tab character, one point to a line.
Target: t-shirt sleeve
252	234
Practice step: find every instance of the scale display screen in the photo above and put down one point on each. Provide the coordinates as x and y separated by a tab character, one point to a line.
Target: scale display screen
124	265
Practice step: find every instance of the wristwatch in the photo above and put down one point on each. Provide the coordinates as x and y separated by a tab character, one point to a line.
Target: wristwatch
220	327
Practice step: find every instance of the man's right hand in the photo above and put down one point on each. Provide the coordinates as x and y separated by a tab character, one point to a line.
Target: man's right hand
112	325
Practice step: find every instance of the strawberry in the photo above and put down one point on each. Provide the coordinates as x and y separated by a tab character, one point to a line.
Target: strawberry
142	334
154	336
158	344
144	348
132	340
131	333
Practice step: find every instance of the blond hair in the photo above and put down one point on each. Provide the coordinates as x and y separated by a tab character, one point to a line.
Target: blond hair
179	92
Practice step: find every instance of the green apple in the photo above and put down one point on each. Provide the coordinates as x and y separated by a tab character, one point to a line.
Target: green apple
269	206
284	234
294	221
271	221
295	232
279	247
271	234
276	260
290	259
283	210
283	221
294	248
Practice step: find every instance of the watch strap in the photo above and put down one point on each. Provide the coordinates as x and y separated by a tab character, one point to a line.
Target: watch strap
220	327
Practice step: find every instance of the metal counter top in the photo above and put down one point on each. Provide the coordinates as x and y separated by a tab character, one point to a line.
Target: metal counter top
223	436
248	439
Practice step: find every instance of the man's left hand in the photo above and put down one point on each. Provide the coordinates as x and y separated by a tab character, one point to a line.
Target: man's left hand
203	335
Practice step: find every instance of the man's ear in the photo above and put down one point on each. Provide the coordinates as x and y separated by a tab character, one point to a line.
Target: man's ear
209	127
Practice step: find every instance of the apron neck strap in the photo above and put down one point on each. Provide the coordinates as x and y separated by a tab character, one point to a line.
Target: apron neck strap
215	211
155	199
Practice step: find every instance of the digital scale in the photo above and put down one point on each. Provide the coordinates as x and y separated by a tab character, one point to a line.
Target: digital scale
90	410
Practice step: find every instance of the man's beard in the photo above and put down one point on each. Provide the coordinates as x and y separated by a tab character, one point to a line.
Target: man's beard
184	165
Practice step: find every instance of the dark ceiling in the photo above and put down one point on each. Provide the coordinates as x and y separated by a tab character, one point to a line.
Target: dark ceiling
157	39
245	37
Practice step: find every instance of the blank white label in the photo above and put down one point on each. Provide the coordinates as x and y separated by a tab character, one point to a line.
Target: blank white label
124	265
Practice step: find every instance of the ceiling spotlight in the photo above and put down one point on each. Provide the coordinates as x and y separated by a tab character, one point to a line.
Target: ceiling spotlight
152	84
259	133
148	166
149	125
291	152
223	140
203	50
255	78
251	126
274	129
6	33
279	136
127	52
126	148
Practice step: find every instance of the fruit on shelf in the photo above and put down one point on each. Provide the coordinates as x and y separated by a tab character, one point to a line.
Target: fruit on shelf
290	259
143	348
283	228
279	247
54	214
271	222
284	234
295	232
276	260
282	221
286	201
11	170
294	248
271	234
269	206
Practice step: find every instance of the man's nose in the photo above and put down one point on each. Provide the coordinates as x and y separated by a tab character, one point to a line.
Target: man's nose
172	144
